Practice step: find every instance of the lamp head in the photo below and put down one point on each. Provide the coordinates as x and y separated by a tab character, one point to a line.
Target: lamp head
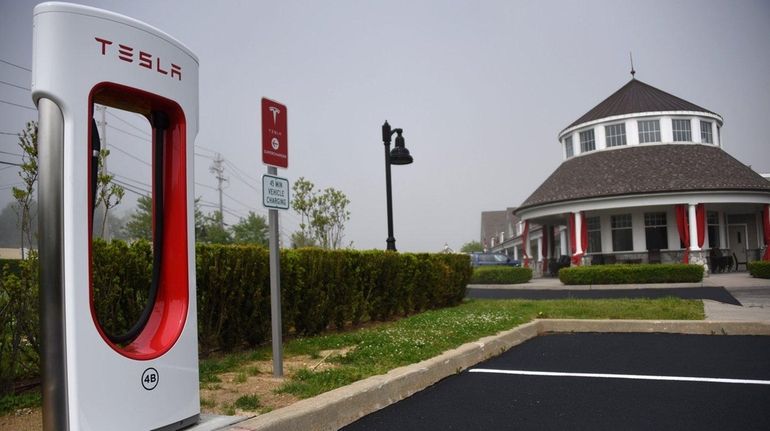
400	155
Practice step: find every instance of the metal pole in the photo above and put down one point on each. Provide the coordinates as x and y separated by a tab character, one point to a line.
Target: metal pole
386	132
275	287
53	348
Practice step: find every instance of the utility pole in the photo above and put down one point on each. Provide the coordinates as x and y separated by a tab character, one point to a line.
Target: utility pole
103	141
218	169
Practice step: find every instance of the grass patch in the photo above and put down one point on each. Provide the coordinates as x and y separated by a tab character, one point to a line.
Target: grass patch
240	378
210	368
10	403
248	402
379	349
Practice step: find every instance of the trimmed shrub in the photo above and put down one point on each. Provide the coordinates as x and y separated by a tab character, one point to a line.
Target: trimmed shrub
319	289
759	269
632	274
501	275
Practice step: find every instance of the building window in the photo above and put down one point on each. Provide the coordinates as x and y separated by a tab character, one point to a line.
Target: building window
568	146
649	131
594	228
587	141
712	219
682	131
622	235
616	134
656	231
706	135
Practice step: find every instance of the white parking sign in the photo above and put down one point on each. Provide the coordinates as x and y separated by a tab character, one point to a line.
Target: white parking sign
275	192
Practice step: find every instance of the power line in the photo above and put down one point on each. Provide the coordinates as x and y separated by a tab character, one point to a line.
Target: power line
10	154
15	65
17	105
9	133
236	168
224	210
128	124
238	177
131	180
9	163
128	133
205	186
131	188
205	148
237	201
14	85
130	155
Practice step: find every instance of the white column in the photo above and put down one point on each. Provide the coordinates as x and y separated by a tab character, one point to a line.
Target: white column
722	229
563	241
578	236
693	229
540	249
515	253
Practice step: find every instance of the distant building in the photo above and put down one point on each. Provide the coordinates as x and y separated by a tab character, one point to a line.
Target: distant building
643	179
496	227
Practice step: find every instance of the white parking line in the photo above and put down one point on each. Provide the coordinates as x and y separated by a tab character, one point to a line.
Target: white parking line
622	376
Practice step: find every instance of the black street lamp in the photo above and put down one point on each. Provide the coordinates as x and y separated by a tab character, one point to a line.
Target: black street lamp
399	156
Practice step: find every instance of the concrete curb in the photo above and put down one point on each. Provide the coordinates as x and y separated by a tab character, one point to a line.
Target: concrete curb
335	409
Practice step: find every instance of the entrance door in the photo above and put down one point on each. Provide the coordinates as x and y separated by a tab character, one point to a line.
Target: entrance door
737	236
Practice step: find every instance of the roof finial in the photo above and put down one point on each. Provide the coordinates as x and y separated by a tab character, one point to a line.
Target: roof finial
633	72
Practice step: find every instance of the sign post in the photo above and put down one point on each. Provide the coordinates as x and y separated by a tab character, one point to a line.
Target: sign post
275	154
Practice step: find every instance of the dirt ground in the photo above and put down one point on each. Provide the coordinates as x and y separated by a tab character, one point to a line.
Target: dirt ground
253	378
23	420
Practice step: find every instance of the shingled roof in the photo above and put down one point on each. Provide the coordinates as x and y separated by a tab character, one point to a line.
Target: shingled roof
636	97
644	169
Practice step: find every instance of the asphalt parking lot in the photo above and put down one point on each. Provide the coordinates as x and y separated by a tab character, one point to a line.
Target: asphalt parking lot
599	382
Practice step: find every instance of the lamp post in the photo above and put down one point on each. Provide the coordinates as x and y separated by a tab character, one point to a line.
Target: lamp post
399	156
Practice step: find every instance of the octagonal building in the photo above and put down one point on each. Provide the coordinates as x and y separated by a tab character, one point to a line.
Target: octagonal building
644	178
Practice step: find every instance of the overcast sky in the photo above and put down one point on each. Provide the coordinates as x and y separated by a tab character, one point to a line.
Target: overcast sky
481	90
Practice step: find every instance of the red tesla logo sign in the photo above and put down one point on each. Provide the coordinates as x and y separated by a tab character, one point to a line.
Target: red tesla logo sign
275	144
144	59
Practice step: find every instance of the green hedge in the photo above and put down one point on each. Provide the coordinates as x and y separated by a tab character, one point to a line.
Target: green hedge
631	274
759	269
319	288
501	275
14	266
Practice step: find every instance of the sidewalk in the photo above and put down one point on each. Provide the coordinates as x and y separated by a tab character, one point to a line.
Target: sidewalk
752	293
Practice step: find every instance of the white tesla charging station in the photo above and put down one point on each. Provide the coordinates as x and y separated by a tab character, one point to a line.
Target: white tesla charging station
147	378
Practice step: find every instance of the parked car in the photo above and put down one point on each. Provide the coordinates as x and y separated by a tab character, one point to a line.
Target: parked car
484	259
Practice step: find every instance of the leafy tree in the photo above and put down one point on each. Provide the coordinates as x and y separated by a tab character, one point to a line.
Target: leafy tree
212	231
108	193
251	230
472	246
25	195
139	225
322	215
299	240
